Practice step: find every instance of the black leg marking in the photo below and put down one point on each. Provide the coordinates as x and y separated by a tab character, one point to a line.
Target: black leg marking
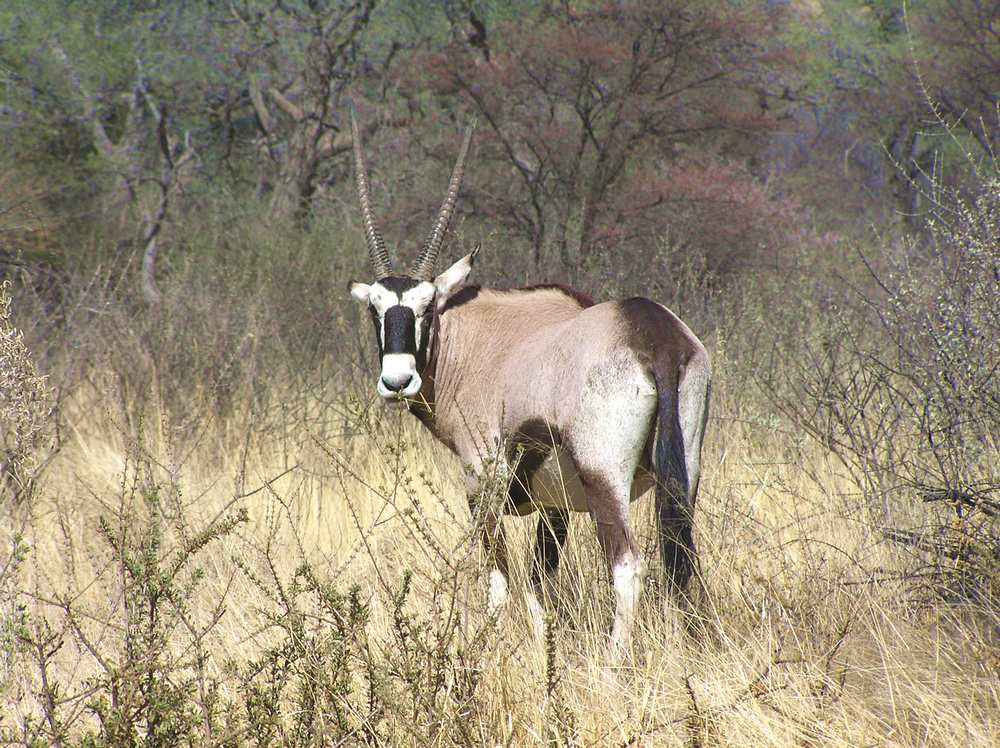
553	527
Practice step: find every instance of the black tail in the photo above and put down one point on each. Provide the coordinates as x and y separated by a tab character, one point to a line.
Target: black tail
674	499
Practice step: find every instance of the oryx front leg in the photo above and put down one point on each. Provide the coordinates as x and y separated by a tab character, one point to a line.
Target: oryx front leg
495	547
489	522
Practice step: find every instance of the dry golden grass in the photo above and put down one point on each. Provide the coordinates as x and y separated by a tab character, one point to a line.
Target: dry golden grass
802	641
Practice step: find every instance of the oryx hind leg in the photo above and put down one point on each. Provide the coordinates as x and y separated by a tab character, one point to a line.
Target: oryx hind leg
611	430
553	527
624	560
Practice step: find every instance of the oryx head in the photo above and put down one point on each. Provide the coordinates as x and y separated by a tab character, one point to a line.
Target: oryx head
403	305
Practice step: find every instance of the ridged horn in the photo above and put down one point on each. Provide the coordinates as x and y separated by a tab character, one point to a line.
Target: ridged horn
376	244
423	269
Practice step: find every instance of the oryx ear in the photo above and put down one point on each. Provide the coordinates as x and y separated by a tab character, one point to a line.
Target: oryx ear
450	280
360	291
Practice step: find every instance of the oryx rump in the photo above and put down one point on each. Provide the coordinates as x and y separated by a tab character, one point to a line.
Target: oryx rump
588	404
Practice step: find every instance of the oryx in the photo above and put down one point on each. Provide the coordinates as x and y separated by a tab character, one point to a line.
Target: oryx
589	405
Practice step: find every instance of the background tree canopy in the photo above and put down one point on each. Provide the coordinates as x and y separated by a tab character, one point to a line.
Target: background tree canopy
603	127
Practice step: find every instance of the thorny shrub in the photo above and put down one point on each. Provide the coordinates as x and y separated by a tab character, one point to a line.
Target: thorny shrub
24	408
904	388
153	681
316	669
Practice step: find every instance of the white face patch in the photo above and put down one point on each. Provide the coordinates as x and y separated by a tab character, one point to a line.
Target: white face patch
419	297
381	298
419	300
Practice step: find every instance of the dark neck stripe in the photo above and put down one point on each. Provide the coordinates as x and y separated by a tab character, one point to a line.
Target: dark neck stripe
425	336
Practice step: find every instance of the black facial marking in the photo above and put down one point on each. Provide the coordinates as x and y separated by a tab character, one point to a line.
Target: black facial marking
400	323
378	330
400	331
398	284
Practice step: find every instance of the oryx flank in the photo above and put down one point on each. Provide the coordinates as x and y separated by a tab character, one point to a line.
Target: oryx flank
589	405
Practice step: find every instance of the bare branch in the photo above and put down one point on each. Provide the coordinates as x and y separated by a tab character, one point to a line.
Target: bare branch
259	107
289	108
86	99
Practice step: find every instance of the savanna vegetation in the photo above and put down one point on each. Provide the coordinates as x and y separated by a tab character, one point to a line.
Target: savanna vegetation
213	535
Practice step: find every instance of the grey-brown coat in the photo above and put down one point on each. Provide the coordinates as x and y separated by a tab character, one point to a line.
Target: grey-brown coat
585	406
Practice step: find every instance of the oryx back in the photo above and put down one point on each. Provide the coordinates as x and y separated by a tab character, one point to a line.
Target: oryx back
573	386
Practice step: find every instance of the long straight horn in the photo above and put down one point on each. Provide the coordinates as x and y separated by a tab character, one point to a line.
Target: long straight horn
376	244
423	269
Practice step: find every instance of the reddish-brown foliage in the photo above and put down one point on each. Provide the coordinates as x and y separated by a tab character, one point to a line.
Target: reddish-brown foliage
619	124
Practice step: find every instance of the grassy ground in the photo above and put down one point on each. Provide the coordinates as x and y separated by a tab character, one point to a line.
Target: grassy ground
808	634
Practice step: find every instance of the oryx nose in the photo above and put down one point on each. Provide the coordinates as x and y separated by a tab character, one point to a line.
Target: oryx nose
396	382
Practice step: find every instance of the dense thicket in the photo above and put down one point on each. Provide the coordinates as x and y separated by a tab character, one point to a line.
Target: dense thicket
605	129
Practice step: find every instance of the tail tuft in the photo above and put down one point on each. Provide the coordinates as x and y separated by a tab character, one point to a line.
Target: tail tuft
674	499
